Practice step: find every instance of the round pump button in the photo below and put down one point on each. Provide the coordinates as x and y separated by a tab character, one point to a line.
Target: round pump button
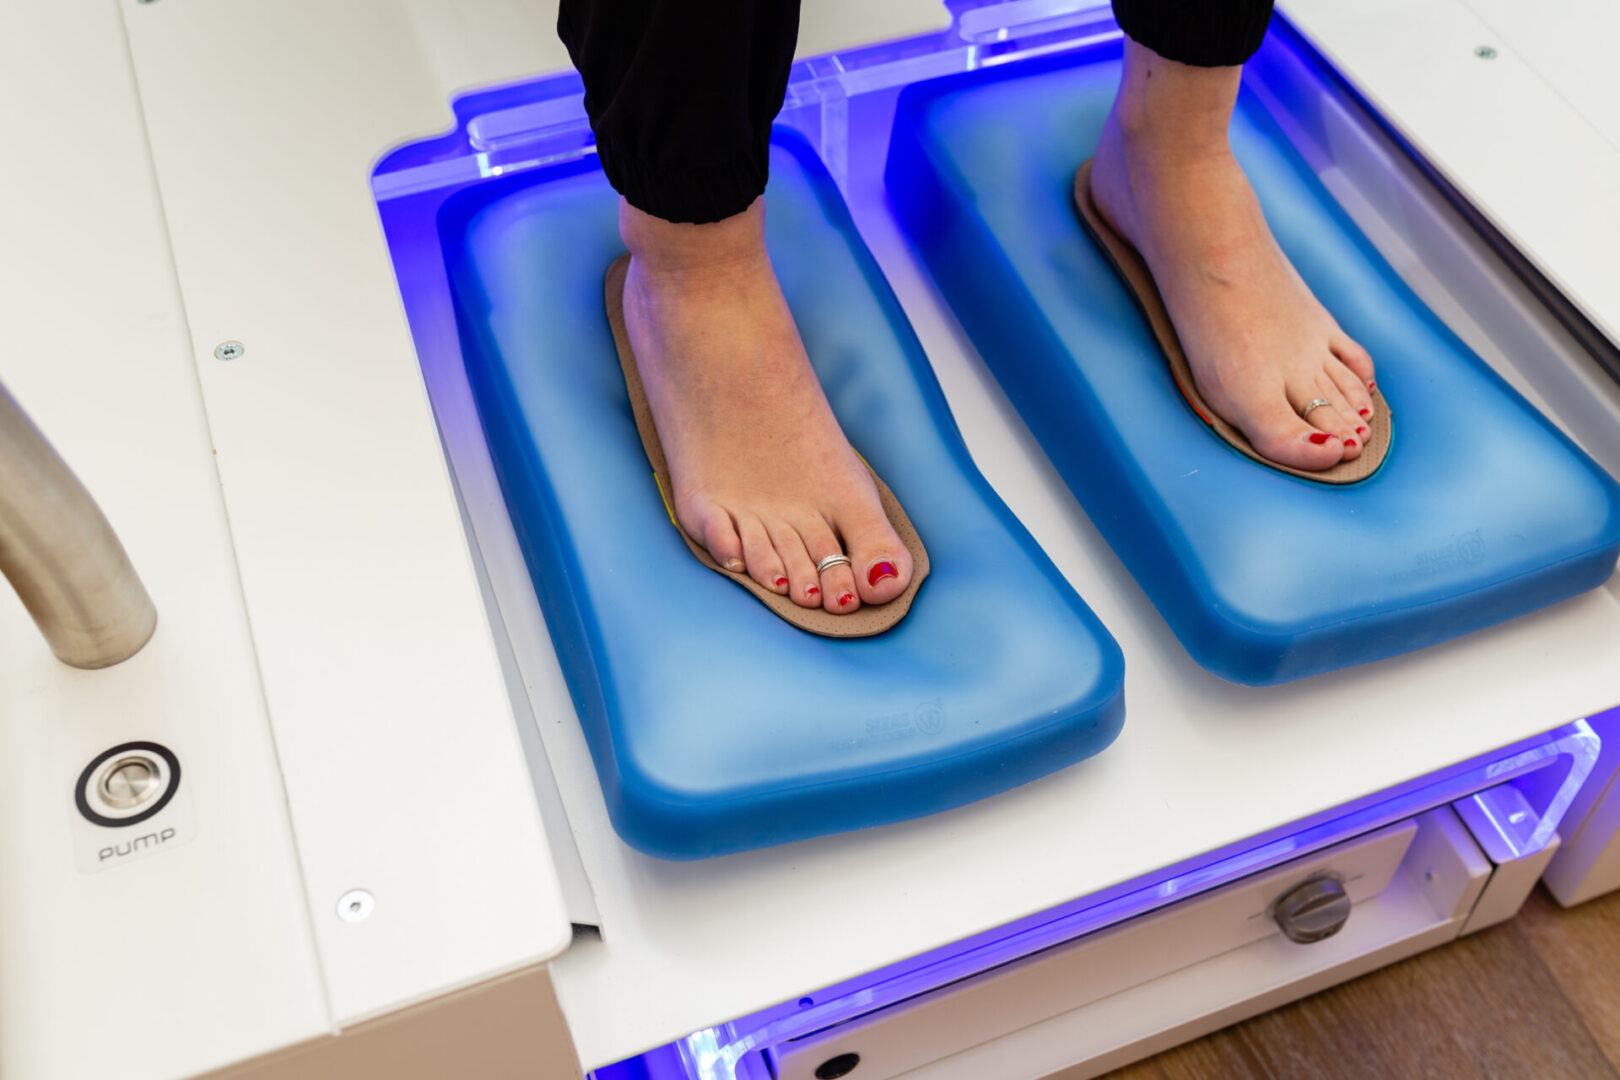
129	782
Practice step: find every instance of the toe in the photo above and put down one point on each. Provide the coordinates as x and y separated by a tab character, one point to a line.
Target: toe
1353	388
760	555
1277	432
838	593
882	565
804	584
1336	418
1353	356
719	534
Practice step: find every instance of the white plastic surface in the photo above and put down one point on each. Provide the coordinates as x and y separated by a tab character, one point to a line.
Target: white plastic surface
404	773
472	43
195	950
1530	136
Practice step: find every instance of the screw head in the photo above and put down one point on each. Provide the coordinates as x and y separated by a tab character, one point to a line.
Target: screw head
1485	52
356	905
229	350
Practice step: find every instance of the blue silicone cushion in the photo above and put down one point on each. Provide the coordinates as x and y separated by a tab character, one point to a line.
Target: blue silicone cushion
715	726
1482	511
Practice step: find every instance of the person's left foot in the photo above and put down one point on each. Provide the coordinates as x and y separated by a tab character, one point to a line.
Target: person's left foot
1261	346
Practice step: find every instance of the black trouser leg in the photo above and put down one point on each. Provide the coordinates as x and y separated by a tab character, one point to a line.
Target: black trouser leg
681	95
1205	33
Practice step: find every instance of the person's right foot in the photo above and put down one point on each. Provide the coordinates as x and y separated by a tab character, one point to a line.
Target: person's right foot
763	475
1261	346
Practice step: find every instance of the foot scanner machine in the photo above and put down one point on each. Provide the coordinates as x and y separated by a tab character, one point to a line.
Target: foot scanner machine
446	758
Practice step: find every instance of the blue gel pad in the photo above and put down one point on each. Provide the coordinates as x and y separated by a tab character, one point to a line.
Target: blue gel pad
1482	510
715	726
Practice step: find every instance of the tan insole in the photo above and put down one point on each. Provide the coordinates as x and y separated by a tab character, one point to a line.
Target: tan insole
1138	279
867	620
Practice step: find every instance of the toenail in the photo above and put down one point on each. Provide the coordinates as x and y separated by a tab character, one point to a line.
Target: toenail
780	582
879	571
734	565
1319	437
1372	386
1349	444
1366	412
812	590
1361	430
846	599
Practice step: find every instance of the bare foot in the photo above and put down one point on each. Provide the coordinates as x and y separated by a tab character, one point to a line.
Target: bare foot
1260	344
763	475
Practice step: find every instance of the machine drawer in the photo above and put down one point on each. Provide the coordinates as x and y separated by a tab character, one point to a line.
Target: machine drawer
1430	858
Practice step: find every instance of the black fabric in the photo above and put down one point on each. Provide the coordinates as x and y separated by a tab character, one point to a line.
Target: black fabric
1204	33
681	95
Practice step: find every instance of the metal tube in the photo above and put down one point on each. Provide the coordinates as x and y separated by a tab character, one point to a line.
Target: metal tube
62	556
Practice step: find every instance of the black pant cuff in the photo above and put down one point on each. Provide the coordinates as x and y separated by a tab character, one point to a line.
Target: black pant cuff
1203	33
695	196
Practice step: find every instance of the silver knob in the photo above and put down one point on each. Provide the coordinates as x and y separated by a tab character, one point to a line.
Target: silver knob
1313	910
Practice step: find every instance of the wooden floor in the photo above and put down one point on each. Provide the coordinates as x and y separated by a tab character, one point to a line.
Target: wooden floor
1537	997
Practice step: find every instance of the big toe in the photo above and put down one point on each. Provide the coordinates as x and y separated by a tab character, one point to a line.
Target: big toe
882	564
1278	433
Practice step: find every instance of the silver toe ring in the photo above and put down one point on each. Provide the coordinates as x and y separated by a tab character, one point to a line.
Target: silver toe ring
1317	404
831	561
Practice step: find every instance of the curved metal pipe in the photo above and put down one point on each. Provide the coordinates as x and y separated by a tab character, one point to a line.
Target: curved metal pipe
62	556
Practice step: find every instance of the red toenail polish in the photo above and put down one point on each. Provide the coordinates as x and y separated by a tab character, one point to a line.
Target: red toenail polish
880	571
1366	412
812	590
1349	444
1361	431
1372	386
846	599
779	582
1320	437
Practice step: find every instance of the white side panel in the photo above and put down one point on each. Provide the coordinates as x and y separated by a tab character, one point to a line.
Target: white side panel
1588	863
1508	889
193	953
403	767
1520	134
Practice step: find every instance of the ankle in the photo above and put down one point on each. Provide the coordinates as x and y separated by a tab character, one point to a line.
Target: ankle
664	248
1166	112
